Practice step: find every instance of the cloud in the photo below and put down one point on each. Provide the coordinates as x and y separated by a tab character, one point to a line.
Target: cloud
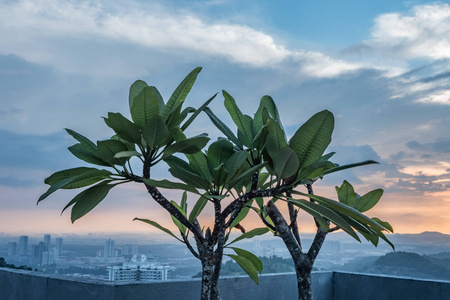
422	32
67	25
440	146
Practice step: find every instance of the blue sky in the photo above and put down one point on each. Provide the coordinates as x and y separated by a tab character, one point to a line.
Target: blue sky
382	67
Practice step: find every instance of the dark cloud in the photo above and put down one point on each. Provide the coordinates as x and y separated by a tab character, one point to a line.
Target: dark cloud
34	151
439	76
425	156
440	146
400	156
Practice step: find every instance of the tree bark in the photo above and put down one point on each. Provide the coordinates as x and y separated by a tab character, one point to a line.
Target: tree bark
304	282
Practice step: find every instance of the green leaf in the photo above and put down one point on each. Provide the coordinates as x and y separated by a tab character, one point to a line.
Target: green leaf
84	141
135	89
344	209
180	226
340	168
285	162
249	234
198	208
197	112
88	156
220	175
87	179
233	182
124	128
251	257
185	112
191	179
346	194
180	93
200	164
55	187
275	137
145	106
236	161
188	146
153	223
60	175
89	199
243	124
314	170
312	138
369	200
242	214
384	224
259	142
177	163
109	148
219	152
327	213
155	132
183	203
246	265
316	211
223	128
166	184
268	104
127	154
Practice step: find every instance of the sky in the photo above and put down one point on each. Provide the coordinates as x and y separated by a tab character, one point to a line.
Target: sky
382	68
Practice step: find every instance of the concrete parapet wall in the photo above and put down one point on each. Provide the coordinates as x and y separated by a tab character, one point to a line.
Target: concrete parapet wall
380	287
27	285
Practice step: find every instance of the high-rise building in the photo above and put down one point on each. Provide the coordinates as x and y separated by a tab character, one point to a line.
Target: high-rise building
109	248
23	245
12	249
47	239
37	252
59	244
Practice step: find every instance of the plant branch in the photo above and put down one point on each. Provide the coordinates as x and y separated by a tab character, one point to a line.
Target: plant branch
293	219
283	230
320	234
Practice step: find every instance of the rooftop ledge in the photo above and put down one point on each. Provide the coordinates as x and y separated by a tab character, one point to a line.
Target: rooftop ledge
26	285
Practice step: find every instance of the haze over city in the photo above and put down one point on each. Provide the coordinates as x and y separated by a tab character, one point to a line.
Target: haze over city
382	68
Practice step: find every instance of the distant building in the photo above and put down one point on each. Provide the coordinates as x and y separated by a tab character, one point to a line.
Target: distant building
130	250
59	245
109	249
138	271
23	245
49	257
12	249
47	239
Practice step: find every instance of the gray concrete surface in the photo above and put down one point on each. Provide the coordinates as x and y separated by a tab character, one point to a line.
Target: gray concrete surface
27	285
379	287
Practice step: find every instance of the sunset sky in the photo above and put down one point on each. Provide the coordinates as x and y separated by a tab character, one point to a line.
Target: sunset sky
382	68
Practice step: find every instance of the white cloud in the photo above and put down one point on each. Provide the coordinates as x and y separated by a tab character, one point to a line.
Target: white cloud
423	32
55	32
437	97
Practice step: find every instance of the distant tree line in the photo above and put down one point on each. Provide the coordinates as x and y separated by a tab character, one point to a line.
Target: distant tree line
3	264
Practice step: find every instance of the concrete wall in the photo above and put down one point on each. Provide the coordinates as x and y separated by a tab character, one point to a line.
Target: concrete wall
26	285
379	287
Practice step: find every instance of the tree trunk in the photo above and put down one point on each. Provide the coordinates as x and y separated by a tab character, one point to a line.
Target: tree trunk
304	283
207	272
210	282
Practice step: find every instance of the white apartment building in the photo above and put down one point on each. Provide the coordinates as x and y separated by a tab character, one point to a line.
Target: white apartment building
138	271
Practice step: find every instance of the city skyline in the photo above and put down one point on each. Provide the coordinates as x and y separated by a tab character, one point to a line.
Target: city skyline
382	68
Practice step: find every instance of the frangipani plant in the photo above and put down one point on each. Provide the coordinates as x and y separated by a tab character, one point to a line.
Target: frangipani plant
244	168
